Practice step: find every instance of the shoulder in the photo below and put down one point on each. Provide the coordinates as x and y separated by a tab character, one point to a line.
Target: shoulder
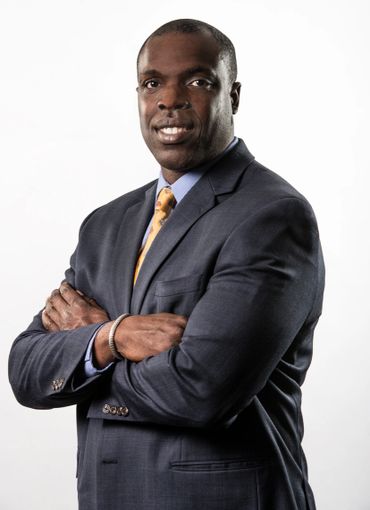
261	191
114	210
248	183
267	184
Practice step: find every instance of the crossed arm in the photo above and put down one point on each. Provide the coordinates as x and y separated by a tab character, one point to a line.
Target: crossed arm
136	338
263	299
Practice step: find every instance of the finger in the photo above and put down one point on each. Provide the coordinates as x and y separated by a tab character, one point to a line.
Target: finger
182	320
93	303
89	300
69	294
53	313
172	316
57	301
52	294
48	322
85	298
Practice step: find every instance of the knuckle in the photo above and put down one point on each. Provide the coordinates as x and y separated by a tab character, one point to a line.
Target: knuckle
75	304
51	301
64	313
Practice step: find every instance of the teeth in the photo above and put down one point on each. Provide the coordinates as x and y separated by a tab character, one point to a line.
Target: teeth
173	130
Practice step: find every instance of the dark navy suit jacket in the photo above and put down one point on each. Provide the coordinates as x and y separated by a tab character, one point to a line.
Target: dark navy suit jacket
214	423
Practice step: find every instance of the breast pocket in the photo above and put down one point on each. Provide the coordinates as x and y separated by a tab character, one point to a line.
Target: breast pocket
179	295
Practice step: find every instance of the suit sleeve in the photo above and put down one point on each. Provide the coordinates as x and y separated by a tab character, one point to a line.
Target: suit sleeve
261	294
46	369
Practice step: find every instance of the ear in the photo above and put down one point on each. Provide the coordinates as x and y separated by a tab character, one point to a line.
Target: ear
235	96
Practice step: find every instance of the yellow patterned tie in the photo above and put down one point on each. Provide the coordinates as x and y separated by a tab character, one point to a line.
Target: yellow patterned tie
165	203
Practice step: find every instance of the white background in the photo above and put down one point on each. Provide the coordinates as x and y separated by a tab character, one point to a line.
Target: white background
70	141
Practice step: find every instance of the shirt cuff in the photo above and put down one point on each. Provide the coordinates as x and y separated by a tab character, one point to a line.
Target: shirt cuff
89	368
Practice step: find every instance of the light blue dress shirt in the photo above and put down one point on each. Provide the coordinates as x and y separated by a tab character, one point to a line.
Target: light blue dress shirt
179	188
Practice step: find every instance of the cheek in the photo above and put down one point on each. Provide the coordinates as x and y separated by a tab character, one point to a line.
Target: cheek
222	112
144	113
211	116
205	112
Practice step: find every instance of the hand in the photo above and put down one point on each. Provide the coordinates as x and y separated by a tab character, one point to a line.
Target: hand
140	336
67	308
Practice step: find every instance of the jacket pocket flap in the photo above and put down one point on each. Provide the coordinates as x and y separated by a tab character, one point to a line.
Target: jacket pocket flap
181	285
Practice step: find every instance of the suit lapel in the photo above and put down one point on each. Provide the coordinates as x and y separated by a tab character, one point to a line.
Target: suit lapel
186	213
221	179
128	243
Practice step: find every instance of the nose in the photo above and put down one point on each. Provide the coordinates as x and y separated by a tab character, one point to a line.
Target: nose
173	98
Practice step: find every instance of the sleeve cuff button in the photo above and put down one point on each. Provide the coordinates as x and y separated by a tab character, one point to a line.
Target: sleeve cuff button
115	410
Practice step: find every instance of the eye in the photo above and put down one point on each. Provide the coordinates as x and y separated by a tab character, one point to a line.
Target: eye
151	84
202	83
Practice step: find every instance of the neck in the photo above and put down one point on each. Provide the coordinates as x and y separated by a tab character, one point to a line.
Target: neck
172	175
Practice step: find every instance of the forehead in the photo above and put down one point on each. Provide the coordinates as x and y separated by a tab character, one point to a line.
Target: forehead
175	51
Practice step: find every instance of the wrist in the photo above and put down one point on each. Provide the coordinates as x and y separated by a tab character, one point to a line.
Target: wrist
111	340
101	351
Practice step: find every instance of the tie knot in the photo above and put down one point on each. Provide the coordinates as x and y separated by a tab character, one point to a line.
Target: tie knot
165	201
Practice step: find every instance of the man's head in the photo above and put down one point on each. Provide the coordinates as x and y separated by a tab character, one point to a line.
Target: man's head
187	93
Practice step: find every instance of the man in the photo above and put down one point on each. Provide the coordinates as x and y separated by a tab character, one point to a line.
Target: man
192	401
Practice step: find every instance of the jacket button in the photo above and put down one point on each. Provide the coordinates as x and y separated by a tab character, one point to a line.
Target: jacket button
106	409
113	410
57	384
123	411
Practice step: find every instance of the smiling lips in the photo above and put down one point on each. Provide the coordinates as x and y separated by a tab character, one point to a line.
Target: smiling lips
173	134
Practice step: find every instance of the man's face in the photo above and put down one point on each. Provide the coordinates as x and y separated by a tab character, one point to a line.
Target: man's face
186	100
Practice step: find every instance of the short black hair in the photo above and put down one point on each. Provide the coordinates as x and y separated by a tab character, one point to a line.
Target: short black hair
188	26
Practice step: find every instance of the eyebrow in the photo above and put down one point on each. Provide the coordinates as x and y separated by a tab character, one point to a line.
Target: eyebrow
199	69
150	72
186	72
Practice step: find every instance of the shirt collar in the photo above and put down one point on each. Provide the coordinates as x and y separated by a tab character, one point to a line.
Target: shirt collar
184	184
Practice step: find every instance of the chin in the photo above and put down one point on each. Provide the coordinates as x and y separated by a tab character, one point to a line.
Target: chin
177	160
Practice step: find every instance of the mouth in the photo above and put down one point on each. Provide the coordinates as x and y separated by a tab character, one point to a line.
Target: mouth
173	134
